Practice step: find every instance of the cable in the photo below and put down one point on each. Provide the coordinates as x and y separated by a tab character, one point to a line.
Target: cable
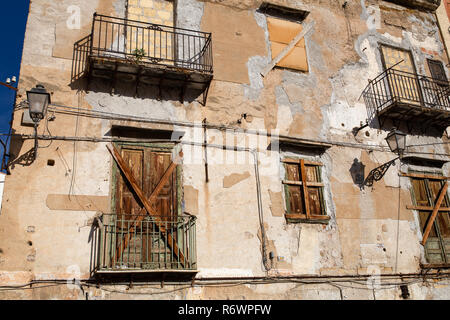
336	281
74	159
115	116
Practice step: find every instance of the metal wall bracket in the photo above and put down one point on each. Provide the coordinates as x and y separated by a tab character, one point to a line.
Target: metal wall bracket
378	173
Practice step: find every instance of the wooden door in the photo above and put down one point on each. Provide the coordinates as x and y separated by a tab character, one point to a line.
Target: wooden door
146	246
402	81
155	250
127	204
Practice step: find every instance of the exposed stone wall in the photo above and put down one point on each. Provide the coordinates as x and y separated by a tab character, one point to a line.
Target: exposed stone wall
152	11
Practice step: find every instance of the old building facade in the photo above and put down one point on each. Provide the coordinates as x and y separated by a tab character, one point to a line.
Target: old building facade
224	150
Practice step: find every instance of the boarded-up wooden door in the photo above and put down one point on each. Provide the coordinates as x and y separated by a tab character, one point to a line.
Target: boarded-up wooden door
146	247
403	82
426	192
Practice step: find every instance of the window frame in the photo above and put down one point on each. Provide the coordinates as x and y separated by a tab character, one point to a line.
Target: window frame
426	178
305	217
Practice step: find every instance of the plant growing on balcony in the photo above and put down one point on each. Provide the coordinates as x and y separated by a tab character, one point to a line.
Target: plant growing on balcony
138	55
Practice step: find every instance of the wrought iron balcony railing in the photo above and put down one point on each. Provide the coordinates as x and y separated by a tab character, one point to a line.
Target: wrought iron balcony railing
133	243
407	96
144	44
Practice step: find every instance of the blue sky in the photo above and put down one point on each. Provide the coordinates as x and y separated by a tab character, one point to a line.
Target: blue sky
12	31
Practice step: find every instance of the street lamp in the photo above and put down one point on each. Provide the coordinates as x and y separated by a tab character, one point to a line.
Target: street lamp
38	101
396	141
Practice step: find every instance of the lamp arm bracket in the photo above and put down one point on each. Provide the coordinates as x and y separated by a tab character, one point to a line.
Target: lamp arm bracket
378	173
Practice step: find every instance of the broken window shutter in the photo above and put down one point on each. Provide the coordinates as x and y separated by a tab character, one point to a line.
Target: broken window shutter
315	203
420	192
421	197
281	33
315	207
294	193
426	192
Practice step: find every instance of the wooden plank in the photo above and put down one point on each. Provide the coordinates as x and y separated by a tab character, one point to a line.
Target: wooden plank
434	213
423	176
425	208
307	162
147	205
299	183
288	48
305	188
303	217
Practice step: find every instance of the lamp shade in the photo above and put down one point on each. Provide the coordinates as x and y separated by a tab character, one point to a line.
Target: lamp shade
38	100
396	141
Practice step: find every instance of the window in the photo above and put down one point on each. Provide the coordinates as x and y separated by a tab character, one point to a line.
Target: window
437	70
283	25
425	192
304	191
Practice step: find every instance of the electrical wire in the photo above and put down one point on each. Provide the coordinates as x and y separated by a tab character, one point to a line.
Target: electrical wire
74	159
116	116
78	111
338	282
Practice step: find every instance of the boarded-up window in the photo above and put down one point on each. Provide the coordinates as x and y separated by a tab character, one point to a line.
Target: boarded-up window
281	33
426	192
304	189
403	81
394	56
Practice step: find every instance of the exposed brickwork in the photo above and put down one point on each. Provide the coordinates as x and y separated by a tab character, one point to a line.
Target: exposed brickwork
157	12
153	11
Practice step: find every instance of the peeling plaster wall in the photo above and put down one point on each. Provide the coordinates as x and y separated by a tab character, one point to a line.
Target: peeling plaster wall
370	229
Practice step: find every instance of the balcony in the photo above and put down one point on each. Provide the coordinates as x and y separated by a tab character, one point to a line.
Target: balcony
415	100
146	247
144	54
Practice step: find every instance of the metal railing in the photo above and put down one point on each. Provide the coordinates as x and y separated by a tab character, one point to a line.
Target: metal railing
395	86
144	43
132	242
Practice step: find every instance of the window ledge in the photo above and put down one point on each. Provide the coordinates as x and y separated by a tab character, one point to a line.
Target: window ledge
301	218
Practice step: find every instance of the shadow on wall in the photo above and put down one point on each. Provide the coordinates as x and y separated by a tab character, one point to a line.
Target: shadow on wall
131	88
25	159
357	171
419	126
